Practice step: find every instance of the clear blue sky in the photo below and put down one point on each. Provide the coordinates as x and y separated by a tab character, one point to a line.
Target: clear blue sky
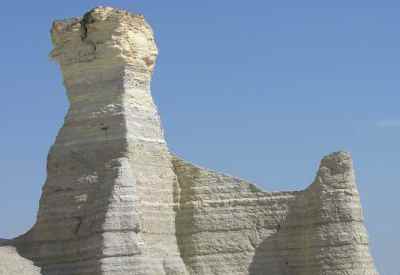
257	89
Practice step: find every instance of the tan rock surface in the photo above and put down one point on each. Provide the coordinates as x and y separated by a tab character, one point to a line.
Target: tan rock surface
228	226
117	202
12	263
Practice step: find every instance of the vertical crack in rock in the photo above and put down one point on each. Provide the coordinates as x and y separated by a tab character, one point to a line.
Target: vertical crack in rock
116	201
78	225
86	19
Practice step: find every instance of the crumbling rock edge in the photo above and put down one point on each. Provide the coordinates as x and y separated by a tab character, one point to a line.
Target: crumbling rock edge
116	201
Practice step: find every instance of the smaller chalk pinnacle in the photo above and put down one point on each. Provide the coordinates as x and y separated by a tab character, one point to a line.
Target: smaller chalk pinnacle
117	202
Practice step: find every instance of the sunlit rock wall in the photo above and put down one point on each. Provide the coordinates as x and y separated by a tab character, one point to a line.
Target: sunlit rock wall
108	203
228	226
117	202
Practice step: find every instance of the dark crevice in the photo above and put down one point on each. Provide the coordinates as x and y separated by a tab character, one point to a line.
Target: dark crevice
78	226
86	20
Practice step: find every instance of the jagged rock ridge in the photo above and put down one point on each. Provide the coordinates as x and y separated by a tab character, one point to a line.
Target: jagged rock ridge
117	202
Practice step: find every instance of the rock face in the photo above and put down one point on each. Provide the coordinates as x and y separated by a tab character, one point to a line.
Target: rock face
228	226
108	205
13	263
117	202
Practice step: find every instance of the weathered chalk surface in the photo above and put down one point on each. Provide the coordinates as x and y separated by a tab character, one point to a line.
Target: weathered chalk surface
117	202
12	263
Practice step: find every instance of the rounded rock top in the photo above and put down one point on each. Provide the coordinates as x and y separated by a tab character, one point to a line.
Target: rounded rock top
106	35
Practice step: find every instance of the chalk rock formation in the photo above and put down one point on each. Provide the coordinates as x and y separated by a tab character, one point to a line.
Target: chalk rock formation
117	202
228	226
13	263
108	203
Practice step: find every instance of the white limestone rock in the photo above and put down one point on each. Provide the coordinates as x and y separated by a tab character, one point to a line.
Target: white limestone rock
11	263
117	202
108	202
228	226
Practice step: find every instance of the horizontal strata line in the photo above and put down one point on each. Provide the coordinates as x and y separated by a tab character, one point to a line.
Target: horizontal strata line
316	246
125	138
217	253
322	223
221	187
283	228
317	265
137	164
205	202
98	232
111	209
221	231
260	194
86	259
139	233
275	248
125	189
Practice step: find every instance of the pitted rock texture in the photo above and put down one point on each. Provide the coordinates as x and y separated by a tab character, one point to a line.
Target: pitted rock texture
116	201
